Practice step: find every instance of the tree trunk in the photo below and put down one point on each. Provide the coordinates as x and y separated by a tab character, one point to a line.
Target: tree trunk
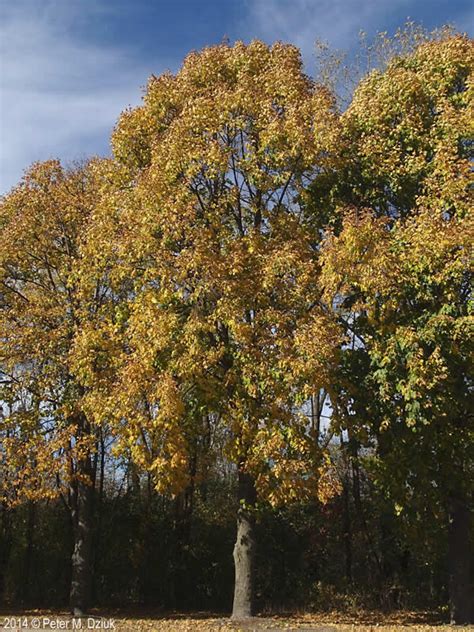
30	545
99	498
459	561
347	532
244	549
346	520
81	513
6	540
359	510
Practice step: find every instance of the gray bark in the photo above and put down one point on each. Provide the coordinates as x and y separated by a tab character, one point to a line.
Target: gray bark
244	550
81	506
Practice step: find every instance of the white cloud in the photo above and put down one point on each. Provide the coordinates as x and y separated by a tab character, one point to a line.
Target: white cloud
60	94
303	21
337	22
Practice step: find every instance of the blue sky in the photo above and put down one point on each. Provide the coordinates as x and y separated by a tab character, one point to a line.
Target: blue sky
69	67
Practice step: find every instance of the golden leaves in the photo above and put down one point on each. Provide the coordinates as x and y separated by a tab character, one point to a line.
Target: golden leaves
36	462
408	126
288	466
182	279
48	302
227	270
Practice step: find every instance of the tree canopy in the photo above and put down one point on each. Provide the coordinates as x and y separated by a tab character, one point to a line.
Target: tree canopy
249	261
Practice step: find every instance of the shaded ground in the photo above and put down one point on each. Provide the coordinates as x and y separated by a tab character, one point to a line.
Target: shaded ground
145	621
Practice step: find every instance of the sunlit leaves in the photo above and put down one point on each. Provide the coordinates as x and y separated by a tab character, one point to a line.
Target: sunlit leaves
49	297
398	269
225	305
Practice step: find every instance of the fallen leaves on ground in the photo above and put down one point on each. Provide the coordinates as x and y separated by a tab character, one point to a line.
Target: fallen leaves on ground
363	621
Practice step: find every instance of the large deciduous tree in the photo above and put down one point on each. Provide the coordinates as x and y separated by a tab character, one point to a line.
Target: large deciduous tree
399	274
225	316
48	293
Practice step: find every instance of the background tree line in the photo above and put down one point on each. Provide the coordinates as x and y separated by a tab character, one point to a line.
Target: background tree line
256	312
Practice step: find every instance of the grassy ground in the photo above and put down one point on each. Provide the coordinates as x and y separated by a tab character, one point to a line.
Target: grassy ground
15	621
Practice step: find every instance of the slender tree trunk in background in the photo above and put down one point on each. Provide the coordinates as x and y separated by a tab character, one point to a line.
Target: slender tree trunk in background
244	549
30	544
6	537
98	512
386	545
347	533
184	504
346	521
460	596
317	407
136	550
81	502
359	510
